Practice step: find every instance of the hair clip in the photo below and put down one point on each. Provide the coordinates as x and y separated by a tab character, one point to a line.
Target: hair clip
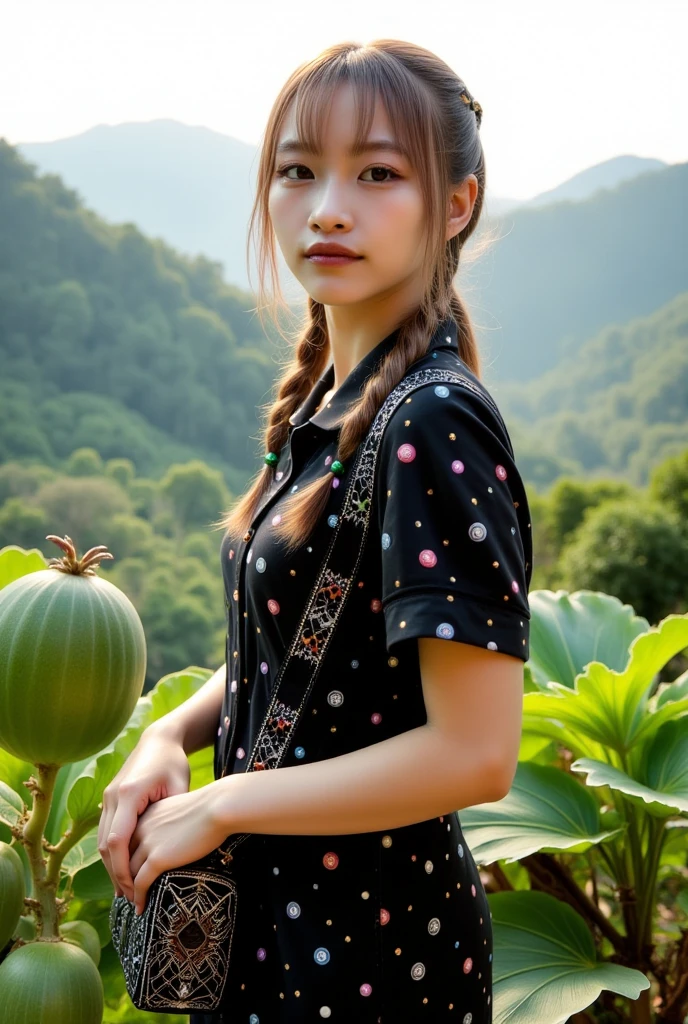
271	459
337	467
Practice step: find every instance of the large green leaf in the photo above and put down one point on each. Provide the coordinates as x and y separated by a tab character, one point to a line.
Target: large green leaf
202	765
661	785
16	562
83	854
93	883
545	809
669	692
545	967
536	726
173	689
569	630
533	746
58	819
608	706
670	701
11	805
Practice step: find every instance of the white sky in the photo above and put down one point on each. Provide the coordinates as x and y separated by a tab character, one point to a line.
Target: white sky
563	85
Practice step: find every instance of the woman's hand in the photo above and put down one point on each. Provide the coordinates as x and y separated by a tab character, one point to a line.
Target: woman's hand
172	833
157	768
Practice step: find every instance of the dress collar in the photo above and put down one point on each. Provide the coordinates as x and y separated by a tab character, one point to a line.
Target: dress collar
330	416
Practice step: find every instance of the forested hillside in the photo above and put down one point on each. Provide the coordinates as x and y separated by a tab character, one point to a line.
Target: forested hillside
559	275
113	340
618	406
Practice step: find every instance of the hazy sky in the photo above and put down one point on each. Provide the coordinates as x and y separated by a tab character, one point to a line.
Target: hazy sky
562	85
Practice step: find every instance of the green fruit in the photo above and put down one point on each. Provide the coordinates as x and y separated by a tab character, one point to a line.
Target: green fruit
12	892
72	660
50	982
83	934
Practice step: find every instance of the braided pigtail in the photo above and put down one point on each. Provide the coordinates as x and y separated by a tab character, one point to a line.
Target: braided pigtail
301	511
294	386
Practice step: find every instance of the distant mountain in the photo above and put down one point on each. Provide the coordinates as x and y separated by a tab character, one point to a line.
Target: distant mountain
194	187
189	185
585	184
559	274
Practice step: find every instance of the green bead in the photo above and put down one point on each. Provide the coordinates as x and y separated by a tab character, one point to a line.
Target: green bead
271	459
337	467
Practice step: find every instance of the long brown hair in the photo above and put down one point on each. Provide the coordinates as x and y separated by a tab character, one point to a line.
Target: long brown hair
429	109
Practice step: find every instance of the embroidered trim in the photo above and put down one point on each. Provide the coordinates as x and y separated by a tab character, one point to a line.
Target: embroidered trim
321	617
359	496
274	737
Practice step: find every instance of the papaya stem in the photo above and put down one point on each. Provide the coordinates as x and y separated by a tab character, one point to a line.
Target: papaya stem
43	888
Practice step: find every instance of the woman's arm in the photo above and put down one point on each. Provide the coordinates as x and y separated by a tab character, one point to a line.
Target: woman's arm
466	754
194	723
399	781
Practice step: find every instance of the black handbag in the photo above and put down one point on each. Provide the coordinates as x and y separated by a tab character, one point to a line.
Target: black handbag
176	954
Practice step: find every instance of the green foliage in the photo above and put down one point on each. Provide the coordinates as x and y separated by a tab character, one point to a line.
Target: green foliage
590	838
617	406
632	548
143	495
21	521
128	536
669	484
18	480
121	470
116	342
195	492
82	507
569	499
84	462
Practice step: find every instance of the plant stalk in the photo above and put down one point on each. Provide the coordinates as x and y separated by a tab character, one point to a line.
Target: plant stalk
46	872
43	889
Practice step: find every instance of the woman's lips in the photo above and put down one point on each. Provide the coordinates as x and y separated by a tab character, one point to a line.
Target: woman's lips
332	261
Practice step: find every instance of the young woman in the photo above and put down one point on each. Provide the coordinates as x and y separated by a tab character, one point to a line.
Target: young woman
360	900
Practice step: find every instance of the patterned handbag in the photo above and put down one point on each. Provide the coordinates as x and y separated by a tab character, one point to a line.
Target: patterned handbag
176	954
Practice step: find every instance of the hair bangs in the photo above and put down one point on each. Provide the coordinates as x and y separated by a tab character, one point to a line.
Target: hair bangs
375	75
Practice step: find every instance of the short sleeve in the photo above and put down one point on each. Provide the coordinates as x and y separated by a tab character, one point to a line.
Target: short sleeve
454	524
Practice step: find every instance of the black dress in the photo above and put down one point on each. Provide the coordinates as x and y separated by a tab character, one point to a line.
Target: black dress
394	925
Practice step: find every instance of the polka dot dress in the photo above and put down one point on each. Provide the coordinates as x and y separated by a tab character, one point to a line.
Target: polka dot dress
392	925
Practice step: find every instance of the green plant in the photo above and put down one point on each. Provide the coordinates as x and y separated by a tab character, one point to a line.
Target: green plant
587	851
72	665
83	891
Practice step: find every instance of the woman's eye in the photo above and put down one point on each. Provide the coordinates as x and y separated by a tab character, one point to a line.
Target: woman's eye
282	172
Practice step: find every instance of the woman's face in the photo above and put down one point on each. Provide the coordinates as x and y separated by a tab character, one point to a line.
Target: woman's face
336	197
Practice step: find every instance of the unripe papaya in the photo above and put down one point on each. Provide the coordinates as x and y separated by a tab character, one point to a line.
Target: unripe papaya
12	892
83	934
51	980
72	660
